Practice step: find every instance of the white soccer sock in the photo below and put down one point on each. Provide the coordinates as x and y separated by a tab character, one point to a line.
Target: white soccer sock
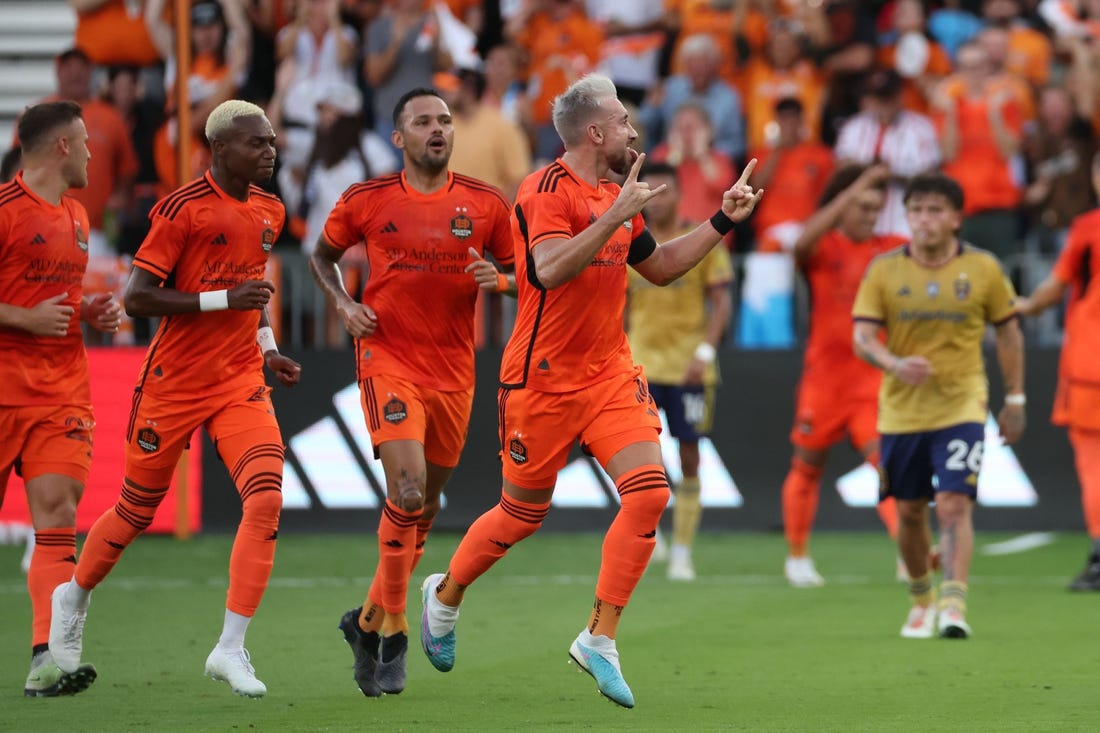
605	645
233	630
679	553
441	617
76	597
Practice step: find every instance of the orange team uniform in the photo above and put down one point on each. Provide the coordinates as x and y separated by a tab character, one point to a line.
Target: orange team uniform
939	65
46	419
198	364
576	40
1029	54
762	86
206	75
1077	400
115	34
417	369
984	174
45	404
838	392
794	188
567	371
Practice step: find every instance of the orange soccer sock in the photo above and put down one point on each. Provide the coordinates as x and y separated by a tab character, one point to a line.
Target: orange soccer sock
800	494
1086	456
257	472
51	565
423	527
115	529
493	534
396	548
632	535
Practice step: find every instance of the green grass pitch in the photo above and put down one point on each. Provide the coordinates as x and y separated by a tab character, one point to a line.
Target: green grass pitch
738	650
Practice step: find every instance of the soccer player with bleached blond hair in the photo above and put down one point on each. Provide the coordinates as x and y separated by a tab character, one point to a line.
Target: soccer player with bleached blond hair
200	270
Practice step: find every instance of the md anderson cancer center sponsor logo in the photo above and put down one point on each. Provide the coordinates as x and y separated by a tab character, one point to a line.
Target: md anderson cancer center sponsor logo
417	259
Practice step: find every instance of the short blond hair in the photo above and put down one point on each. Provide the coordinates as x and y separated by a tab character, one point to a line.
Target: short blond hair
578	105
221	119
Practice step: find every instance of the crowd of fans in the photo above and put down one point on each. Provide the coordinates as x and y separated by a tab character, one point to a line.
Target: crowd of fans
997	93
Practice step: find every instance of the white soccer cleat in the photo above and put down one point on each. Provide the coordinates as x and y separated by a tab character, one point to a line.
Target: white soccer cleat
233	666
901	574
801	573
921	623
66	631
680	568
952	625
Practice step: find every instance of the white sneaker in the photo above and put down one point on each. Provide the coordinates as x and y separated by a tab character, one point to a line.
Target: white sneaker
920	624
952	625
66	631
801	573
660	550
233	666
680	567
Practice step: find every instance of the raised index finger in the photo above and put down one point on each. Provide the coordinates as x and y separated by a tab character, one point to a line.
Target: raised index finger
747	173
475	254
636	168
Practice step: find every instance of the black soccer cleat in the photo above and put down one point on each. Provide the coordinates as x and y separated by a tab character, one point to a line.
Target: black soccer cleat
364	646
1089	578
390	674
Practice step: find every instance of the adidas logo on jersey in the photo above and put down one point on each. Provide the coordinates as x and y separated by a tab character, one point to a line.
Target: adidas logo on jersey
390	228
38	239
220	239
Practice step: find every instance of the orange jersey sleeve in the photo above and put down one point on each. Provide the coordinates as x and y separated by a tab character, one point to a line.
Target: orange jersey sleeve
572	336
203	239
1079	267
43	253
833	273
417	249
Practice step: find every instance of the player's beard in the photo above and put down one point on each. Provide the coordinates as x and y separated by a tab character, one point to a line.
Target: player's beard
434	163
621	164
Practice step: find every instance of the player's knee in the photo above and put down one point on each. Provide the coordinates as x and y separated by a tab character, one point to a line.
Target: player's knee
649	502
411	499
911	513
951	508
263	506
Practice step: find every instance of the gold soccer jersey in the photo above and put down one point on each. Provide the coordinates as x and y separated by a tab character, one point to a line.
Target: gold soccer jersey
939	313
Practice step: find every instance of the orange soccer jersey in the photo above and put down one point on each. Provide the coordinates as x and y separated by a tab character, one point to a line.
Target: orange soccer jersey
1078	400
204	239
833	273
417	249
572	336
43	253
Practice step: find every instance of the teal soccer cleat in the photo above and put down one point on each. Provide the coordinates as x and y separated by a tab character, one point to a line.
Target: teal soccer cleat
604	668
440	650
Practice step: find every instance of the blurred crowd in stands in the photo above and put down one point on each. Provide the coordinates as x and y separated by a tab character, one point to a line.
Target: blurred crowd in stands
1000	94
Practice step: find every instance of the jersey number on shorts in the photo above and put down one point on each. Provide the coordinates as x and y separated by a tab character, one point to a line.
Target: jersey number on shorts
695	408
963	457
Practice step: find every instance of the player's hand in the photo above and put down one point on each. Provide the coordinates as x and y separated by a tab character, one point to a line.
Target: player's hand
693	377
912	370
739	201
50	317
1011	420
286	370
635	194
251	295
485	274
359	320
102	312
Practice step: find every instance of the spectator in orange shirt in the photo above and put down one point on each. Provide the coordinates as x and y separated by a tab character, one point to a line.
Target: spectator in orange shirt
794	171
1077	399
1029	52
980	128
114	162
784	71
113	32
995	41
920	79
562	45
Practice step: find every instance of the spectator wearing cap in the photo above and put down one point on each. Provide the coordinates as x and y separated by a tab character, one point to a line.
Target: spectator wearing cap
220	50
699	83
488	146
920	61
980	128
113	164
885	132
113	32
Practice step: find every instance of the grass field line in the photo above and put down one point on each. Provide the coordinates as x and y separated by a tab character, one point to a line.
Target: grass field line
1023	543
314	582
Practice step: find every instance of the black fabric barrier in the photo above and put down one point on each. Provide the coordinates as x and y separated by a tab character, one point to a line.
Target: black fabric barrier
755	409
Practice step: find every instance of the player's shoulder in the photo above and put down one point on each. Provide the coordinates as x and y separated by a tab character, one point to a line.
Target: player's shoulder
970	252
264	198
479	188
13	197
552	178
362	192
1086	222
898	255
179	200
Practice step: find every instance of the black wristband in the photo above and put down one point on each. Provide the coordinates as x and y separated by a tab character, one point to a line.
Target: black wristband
721	223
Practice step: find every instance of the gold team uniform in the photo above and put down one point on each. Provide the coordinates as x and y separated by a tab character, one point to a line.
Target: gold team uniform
932	433
665	325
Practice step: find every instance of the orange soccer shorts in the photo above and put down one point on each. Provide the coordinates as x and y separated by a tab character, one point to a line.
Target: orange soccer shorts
42	439
1077	404
396	409
825	414
159	428
538	429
